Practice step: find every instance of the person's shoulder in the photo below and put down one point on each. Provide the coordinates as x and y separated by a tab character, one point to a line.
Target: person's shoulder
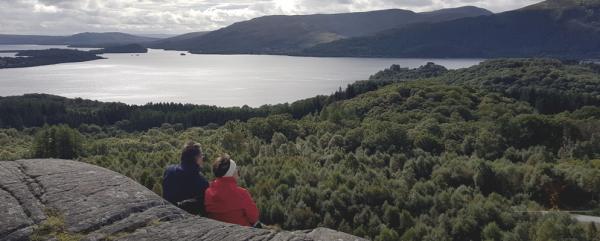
170	171
202	178
171	168
240	189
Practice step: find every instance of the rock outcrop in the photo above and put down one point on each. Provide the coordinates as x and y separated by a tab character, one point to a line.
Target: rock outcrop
94	203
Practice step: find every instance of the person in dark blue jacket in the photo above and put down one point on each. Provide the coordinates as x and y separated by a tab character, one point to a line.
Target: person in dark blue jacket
183	186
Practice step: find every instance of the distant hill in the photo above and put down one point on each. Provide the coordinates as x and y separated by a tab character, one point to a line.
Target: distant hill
157	35
81	39
173	42
554	28
559	4
285	34
28	39
129	48
103	38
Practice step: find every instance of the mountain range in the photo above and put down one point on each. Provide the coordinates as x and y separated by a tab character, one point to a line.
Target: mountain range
175	41
287	34
553	28
81	39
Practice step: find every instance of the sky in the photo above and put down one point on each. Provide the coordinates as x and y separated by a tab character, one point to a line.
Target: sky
67	17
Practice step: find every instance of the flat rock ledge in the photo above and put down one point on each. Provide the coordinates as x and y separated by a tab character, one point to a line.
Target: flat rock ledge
98	204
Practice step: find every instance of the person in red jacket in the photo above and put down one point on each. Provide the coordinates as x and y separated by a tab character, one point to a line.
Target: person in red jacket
227	202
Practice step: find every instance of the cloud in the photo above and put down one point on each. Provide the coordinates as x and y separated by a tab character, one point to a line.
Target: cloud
492	5
40	8
60	17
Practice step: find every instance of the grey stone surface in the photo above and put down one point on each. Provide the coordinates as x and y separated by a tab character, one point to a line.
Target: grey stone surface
327	234
100	203
12	216
138	220
21	208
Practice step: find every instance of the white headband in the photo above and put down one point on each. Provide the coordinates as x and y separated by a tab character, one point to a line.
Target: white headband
231	170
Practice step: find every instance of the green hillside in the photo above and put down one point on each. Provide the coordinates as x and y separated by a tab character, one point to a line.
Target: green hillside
559	29
412	154
549	85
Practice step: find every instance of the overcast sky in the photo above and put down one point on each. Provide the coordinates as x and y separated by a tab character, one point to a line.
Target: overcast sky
66	17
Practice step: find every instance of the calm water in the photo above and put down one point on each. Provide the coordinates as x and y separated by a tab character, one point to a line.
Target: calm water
222	80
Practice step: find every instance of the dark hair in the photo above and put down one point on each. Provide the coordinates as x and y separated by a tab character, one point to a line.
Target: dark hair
221	165
191	150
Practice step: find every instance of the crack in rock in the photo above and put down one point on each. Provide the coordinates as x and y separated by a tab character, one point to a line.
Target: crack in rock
19	209
15	182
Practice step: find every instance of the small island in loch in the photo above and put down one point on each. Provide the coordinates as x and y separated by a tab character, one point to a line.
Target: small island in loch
30	58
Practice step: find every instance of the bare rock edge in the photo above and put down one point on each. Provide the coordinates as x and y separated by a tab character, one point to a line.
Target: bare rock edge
100	203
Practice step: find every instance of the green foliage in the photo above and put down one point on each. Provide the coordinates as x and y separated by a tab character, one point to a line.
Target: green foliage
428	143
35	110
396	72
157	188
360	232
557	226
58	142
53	226
592	231
413	161
548	85
387	235
491	232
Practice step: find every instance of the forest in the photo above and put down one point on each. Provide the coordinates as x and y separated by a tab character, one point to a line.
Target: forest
410	154
30	58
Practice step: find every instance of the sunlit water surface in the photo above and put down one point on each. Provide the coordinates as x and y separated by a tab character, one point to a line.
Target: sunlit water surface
222	80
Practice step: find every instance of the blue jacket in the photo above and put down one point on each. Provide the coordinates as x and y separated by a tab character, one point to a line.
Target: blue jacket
183	181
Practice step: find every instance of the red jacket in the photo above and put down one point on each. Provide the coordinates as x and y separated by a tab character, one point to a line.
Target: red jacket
227	202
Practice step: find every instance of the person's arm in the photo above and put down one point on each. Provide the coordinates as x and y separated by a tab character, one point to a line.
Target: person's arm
250	208
204	184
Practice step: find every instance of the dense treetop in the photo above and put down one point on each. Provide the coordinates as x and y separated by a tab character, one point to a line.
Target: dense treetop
403	156
549	85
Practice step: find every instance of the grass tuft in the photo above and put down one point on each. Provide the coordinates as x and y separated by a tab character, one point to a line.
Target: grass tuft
53	226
